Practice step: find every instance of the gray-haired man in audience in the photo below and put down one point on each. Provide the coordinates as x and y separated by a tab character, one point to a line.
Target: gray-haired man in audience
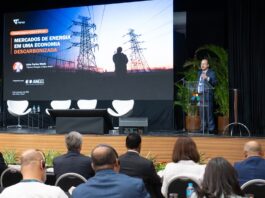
73	160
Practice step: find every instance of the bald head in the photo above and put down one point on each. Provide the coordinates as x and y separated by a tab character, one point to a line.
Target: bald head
252	148
103	157
33	165
31	156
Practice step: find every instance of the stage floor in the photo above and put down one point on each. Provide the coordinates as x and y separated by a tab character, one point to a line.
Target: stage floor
157	144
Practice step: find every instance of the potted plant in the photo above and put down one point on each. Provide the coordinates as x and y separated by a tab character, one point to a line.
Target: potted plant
187	99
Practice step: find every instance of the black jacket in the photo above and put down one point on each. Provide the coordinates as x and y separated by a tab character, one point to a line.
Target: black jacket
73	162
132	164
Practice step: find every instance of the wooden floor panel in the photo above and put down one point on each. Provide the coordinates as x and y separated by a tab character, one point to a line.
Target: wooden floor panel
155	146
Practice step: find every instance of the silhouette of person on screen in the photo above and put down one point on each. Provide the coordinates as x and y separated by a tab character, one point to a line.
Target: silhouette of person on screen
120	60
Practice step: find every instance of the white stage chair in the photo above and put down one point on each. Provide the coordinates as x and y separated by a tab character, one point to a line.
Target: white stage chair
59	104
18	108
121	107
87	104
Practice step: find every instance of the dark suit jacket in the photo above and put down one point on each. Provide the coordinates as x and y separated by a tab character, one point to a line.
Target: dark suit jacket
107	183
132	164
3	165
250	168
212	81
73	162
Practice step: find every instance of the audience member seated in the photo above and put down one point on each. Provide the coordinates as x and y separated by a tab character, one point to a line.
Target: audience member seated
108	182
34	175
73	161
219	181
132	164
253	167
185	159
3	165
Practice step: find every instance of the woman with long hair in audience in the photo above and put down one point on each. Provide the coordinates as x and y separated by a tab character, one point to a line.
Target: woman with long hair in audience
185	162
219	181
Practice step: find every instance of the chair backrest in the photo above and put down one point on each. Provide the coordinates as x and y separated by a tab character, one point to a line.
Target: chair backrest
17	106
87	104
10	176
123	106
61	104
179	185
67	180
255	187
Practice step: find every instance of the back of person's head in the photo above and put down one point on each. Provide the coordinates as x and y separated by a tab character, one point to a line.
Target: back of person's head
185	149
119	49
253	148
104	157
133	141
33	164
73	141
220	178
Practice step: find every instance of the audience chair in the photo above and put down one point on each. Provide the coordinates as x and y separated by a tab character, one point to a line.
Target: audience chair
9	177
67	180
87	104
255	187
179	185
18	108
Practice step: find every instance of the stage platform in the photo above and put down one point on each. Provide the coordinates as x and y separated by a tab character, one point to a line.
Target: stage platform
157	144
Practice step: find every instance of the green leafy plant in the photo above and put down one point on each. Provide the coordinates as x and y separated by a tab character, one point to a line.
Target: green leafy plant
203	158
10	156
183	97
158	165
49	156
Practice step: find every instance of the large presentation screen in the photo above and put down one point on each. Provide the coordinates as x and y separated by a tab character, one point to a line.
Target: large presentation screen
111	51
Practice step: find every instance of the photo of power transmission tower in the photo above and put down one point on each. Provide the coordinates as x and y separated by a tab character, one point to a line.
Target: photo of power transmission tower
144	30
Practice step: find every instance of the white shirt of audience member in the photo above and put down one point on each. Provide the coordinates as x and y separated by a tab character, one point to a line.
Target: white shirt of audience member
32	189
185	168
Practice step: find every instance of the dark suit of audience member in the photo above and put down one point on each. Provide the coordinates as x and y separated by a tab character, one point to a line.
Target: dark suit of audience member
108	182
73	160
3	165
134	165
206	77
120	60
253	167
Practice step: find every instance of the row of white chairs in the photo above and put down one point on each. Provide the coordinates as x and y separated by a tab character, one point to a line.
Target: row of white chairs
18	108
65	104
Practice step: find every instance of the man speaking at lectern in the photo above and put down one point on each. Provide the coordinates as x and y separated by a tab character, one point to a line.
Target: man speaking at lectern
206	76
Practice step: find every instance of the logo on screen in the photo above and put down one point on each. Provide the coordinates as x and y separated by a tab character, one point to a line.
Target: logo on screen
17	67
17	21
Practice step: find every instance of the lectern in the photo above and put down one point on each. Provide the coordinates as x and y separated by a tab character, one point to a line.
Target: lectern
199	100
